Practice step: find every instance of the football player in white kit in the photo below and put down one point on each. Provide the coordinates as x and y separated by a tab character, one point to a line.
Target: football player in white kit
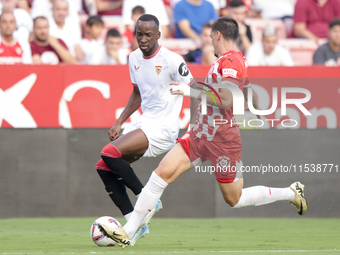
152	68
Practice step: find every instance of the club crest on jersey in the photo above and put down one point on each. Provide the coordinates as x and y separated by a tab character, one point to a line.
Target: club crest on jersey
18	50
158	69
223	161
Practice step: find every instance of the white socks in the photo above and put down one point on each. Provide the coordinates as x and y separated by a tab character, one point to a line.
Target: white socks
127	216
146	201
261	195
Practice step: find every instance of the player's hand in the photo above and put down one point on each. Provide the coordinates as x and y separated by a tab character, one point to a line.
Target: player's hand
113	132
174	90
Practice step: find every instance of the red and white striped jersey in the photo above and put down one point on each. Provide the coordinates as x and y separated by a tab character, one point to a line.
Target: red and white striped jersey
232	67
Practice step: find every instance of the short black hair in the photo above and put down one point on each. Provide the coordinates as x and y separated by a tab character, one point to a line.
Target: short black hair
39	17
94	20
113	32
334	22
228	27
236	3
138	9
149	17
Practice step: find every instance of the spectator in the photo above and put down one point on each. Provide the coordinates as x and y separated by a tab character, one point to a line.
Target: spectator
94	27
23	19
130	32
137	11
11	51
278	9
65	29
204	54
312	17
268	53
191	15
237	11
329	53
154	7
25	4
111	53
44	8
109	7
47	49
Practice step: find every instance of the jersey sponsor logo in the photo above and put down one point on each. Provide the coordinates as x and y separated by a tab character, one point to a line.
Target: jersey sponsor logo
183	70
158	69
213	90
137	67
228	72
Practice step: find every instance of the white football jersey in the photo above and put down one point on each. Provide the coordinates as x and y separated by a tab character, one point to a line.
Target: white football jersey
153	75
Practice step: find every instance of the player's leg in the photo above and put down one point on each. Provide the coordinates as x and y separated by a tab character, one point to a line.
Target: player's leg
172	165
131	144
115	188
116	172
237	197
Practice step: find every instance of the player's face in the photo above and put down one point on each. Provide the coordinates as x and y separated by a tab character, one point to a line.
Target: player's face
214	39
113	43
41	30
334	35
238	13
147	35
205	36
60	11
7	24
269	43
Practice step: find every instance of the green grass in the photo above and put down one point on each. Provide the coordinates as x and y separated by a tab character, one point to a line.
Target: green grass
179	236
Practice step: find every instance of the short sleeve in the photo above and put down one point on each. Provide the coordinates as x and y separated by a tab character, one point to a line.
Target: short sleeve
179	13
179	70
318	57
63	43
300	13
132	77
228	68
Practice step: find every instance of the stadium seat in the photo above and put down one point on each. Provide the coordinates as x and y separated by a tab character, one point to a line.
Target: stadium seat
257	26
301	50
112	21
180	46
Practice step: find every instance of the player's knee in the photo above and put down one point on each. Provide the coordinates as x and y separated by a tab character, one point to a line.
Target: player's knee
232	201
163	173
110	151
102	166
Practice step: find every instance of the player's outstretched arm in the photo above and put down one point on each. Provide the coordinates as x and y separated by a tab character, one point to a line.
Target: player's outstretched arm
132	105
224	99
254	99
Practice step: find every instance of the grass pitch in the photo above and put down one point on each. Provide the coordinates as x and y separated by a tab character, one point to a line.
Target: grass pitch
176	236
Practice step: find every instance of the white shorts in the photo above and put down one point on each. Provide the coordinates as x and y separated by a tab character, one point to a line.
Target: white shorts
160	140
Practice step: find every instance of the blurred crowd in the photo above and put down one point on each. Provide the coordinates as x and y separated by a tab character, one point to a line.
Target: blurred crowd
102	31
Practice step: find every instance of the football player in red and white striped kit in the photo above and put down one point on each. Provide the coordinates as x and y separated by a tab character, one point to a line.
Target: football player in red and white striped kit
220	144
11	51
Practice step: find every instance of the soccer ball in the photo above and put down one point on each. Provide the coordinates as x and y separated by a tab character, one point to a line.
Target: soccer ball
98	237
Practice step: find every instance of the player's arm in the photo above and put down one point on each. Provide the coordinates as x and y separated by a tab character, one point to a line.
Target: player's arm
64	54
132	105
254	98
224	99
